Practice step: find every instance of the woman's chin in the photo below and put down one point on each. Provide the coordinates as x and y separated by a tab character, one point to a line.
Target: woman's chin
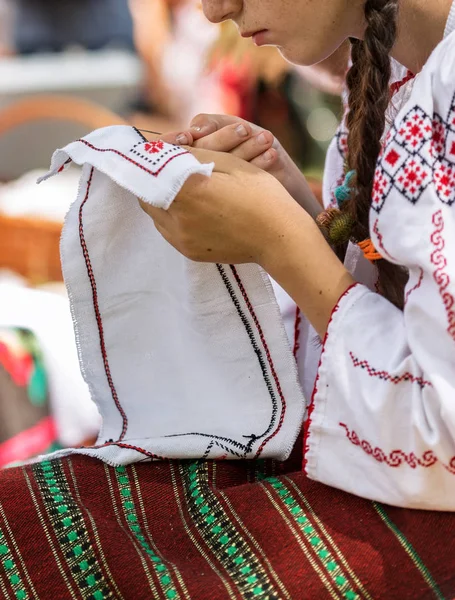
299	56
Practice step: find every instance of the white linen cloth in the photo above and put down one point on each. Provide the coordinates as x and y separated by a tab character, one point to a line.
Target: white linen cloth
183	359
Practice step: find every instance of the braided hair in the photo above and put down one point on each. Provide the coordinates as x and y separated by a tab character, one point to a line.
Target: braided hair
368	82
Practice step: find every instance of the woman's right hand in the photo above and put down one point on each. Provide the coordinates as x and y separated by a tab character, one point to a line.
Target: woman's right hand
225	133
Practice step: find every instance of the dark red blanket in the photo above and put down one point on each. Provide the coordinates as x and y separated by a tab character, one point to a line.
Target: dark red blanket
77	528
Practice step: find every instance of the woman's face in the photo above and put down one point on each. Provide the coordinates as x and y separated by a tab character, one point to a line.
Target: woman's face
305	31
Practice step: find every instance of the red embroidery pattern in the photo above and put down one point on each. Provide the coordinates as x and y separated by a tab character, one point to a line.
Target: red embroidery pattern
153	147
385	376
415	129
342	143
444	178
380	239
439	136
396	458
413	178
440	276
418	150
128	447
99	321
65	164
269	358
298	321
114	151
396	87
307	424
416	287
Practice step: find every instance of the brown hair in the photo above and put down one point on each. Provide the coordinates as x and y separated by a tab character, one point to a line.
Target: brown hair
369	94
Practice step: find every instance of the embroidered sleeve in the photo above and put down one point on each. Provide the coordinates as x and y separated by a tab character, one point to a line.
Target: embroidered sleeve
382	418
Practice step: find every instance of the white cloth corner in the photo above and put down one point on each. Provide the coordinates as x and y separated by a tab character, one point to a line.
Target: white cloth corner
183	359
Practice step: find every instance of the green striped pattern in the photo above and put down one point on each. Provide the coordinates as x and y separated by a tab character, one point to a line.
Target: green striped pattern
298	515
223	539
418	562
162	571
69	527
11	570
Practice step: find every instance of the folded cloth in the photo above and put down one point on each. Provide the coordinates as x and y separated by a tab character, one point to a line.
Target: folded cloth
183	359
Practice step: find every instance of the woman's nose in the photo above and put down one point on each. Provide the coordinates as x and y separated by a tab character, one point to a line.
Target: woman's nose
217	11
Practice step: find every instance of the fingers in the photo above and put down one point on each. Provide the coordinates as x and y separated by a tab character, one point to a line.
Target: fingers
160	217
239	139
226	139
179	138
203	124
267	160
254	147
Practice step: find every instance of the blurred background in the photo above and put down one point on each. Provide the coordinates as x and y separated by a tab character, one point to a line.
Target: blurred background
68	67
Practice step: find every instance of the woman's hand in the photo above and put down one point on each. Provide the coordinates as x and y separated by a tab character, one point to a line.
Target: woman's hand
241	214
223	133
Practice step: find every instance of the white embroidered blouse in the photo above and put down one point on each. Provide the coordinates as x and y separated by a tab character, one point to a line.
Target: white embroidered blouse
381	422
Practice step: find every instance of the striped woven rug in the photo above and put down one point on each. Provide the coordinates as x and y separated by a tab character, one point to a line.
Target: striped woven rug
79	529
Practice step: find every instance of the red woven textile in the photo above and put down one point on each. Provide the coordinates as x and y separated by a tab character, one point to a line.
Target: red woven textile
77	528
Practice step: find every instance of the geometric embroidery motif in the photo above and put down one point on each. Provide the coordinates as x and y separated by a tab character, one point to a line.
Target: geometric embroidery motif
161	569
308	528
386	376
65	517
382	185
148	151
418	150
413	178
414	130
396	458
440	275
444	179
222	537
438	138
342	142
10	567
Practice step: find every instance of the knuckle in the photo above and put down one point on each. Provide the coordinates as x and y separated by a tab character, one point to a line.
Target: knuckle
200	117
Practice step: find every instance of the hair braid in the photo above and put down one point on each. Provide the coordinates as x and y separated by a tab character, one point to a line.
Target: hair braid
368	82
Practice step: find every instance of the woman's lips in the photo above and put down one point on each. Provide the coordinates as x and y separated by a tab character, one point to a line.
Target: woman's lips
261	37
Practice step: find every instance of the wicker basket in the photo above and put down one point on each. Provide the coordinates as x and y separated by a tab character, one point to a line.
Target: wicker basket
30	246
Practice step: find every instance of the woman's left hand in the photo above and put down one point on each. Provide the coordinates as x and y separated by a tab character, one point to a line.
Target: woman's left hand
241	214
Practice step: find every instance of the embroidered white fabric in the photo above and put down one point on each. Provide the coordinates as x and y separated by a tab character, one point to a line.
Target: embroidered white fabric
183	359
382	420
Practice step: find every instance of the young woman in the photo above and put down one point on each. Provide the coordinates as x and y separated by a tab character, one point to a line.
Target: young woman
381	423
383	402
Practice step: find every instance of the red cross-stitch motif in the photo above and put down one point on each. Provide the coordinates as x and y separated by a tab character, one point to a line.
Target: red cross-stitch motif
418	150
444	180
153	147
440	275
381	187
342	142
451	118
413	178
415	129
386	376
439	136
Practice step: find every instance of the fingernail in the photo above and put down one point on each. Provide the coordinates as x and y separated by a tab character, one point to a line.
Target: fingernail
268	155
241	130
262	139
182	139
196	128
